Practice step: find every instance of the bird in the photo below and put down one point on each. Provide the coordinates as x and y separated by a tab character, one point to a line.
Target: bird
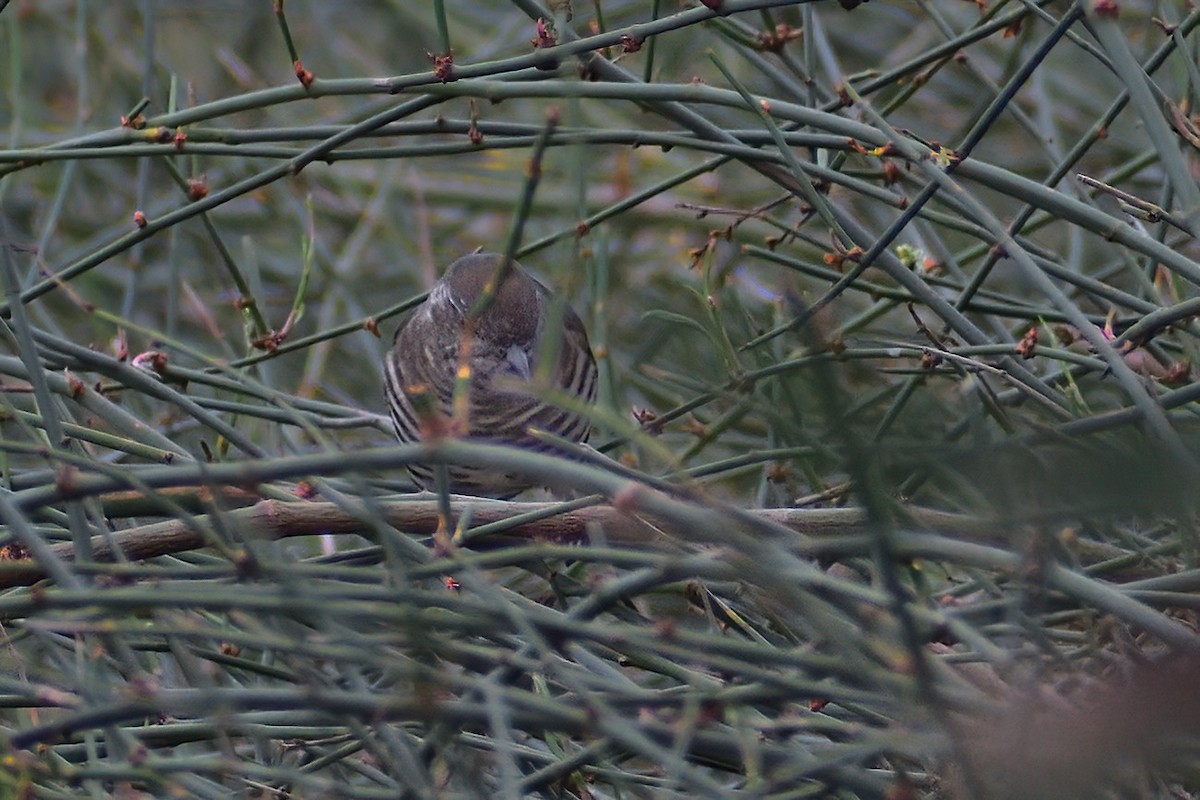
491	321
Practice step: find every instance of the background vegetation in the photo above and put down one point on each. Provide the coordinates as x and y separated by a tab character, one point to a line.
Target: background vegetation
894	306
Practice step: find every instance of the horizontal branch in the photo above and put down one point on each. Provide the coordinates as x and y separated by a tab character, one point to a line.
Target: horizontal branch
536	522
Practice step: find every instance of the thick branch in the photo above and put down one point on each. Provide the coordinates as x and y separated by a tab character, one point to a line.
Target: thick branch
272	519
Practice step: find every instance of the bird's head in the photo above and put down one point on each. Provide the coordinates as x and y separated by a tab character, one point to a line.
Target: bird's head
510	317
